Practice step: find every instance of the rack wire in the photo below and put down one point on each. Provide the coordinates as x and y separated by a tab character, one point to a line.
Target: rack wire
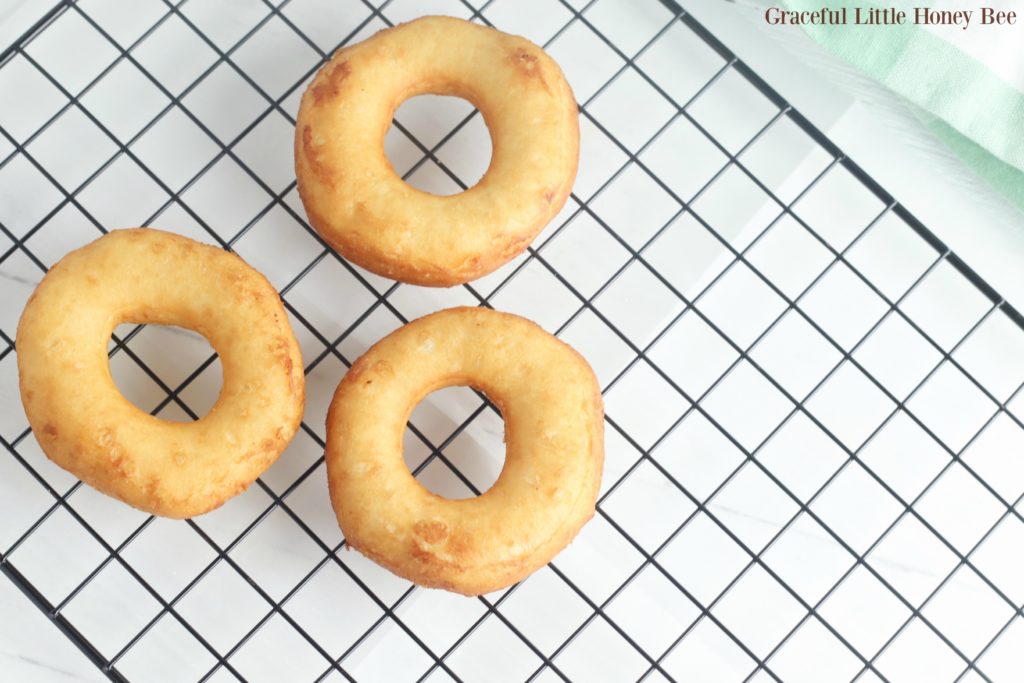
826	488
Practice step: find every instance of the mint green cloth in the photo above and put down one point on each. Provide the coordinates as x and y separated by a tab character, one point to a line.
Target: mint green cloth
974	112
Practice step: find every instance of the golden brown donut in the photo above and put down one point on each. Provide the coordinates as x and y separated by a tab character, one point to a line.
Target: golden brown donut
86	426
357	202
554	436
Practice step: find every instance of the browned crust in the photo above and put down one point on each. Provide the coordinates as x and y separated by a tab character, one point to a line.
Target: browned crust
440	552
358	232
327	86
85	426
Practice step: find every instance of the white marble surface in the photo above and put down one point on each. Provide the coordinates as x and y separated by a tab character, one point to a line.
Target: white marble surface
883	136
32	649
703	558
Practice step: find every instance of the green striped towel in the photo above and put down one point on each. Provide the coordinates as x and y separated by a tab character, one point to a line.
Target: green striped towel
967	85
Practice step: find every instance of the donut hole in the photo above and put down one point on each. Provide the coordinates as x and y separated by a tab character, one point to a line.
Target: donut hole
430	119
477	451
172	355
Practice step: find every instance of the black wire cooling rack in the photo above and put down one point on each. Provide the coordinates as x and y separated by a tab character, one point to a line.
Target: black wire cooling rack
864	526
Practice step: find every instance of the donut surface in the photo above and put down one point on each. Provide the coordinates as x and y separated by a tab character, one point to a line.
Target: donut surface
86	426
554	436
357	202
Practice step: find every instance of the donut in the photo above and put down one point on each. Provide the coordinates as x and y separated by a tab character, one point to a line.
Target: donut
554	441
85	425
364	210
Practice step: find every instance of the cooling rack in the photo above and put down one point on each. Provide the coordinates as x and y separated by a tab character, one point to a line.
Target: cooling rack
815	454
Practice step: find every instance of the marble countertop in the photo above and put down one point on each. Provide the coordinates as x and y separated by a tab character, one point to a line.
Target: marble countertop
990	239
33	649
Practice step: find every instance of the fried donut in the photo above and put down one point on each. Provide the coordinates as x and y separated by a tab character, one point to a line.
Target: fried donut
86	426
357	202
554	436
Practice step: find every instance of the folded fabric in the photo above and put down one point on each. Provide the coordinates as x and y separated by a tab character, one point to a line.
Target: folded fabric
966	83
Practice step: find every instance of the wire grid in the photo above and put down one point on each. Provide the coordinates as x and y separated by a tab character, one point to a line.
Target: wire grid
757	622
